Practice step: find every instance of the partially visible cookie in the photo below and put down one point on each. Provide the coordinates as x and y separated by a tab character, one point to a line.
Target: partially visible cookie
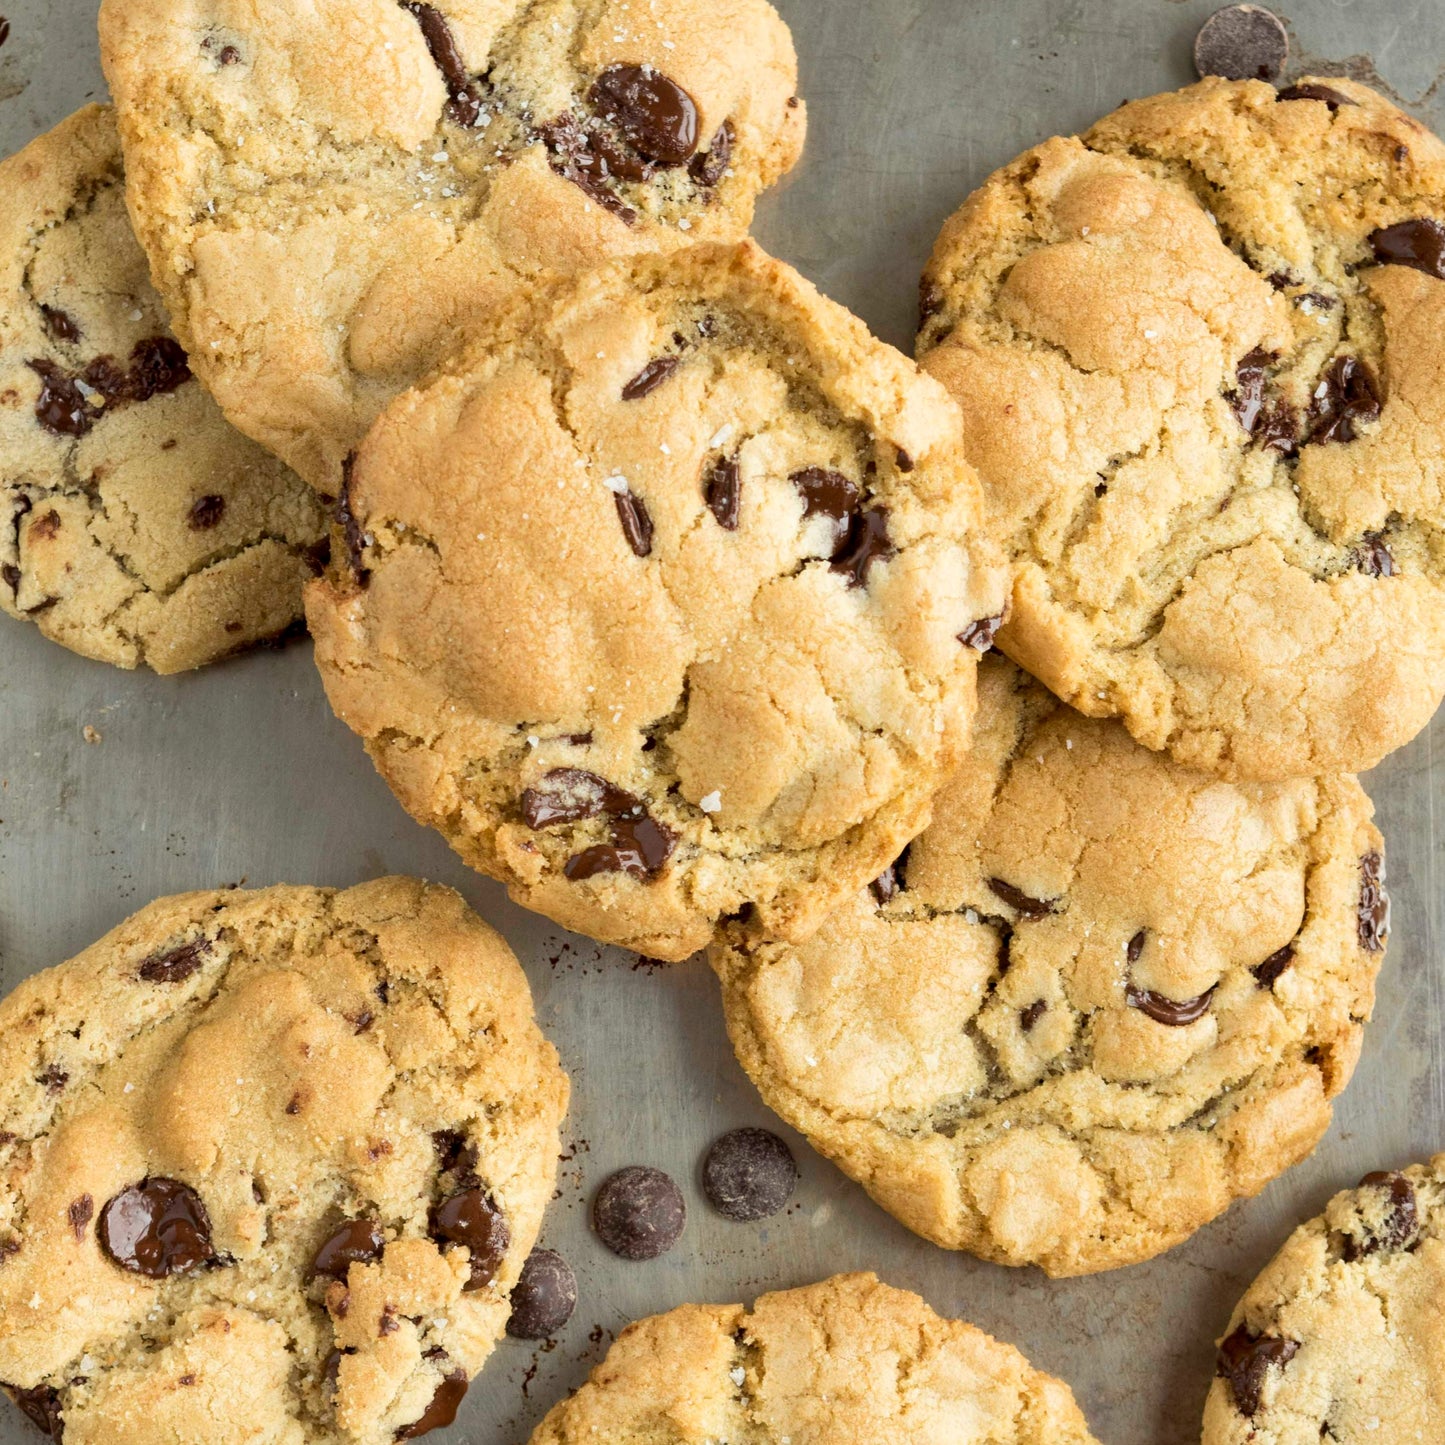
846	1360
1099	999
333	194
270	1165
1339	1339
1198	355
136	525
664	602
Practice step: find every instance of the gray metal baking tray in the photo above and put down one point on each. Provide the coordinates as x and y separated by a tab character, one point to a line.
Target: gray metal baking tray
240	772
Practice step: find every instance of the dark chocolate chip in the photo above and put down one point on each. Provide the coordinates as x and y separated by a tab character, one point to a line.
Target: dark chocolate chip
11	574
639	1213
1135	947
60	324
357	1241
157	1228
206	512
930	301
1245	1360
443	1408
54	1078
1176	1013
867	542
61	408
567	795
1310	90
708	167
80	1213
1020	901
1033	1013
472	1218
351	529
1267	972
980	635
543	1297
636	523
1400	1224
639	848
1373	912
455	1155
1346	394
41	1406
4	30
827	494
885	886
229	55
158	366
1242	42
650	377
905	462
1420	244
1271	422
655	114
749	1174
724	492
1373	557
465	103
575	155
174	965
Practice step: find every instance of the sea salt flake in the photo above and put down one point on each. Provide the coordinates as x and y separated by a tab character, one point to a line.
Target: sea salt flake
712	803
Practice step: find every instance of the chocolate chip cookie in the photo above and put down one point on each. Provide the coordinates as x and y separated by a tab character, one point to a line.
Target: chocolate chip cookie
1099	999
664	603
846	1360
333	194
1197	351
270	1165
136	525
1339	1339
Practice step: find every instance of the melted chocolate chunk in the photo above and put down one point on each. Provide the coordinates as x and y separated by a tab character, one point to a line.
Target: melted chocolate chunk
1373	912
1176	1013
655	114
567	795
357	1241
749	1174
1135	948
1271	422
639	1213
885	887
636	522
577	155
473	1219
61	408
70	403
1020	901
1347	393
465	103
1373	557
708	167
867	542
351	528
60	325
157	1228
1033	1013
1400	1224
724	492
639	848
80	1213
443	1408
1267	972
828	494
1245	1360
455	1155
1311	90
206	512
1420	244
650	377
41	1406
543	1297
158	366
1242	42
174	965
980	635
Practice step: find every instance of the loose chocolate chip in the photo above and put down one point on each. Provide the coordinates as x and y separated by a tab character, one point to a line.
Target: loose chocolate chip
1176	1013
1373	557
639	848
465	103
1400	1224
443	1408
1420	244
60	325
639	1213
1373	912
80	1213
543	1298
41	1406
1267	972
867	542
657	116
724	492
567	795
473	1219
1242	42
980	635
357	1241
636	523
827	494
1032	1014
158	366
1310	90
1347	393
61	408
749	1174
1245	1360
157	1228
650	377
708	167
206	512
174	965
1020	901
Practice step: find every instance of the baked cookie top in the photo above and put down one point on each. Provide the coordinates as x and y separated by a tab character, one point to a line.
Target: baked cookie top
1339	1339
1198	355
1099	999
846	1360
333	195
136	525
663	604
270	1164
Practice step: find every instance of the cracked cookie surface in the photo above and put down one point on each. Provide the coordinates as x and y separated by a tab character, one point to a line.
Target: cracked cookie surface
1338	1340
658	603
1198	355
333	195
1099	999
136	525
270	1164
848	1360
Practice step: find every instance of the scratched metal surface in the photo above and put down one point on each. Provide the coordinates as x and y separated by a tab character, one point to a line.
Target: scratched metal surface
240	772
